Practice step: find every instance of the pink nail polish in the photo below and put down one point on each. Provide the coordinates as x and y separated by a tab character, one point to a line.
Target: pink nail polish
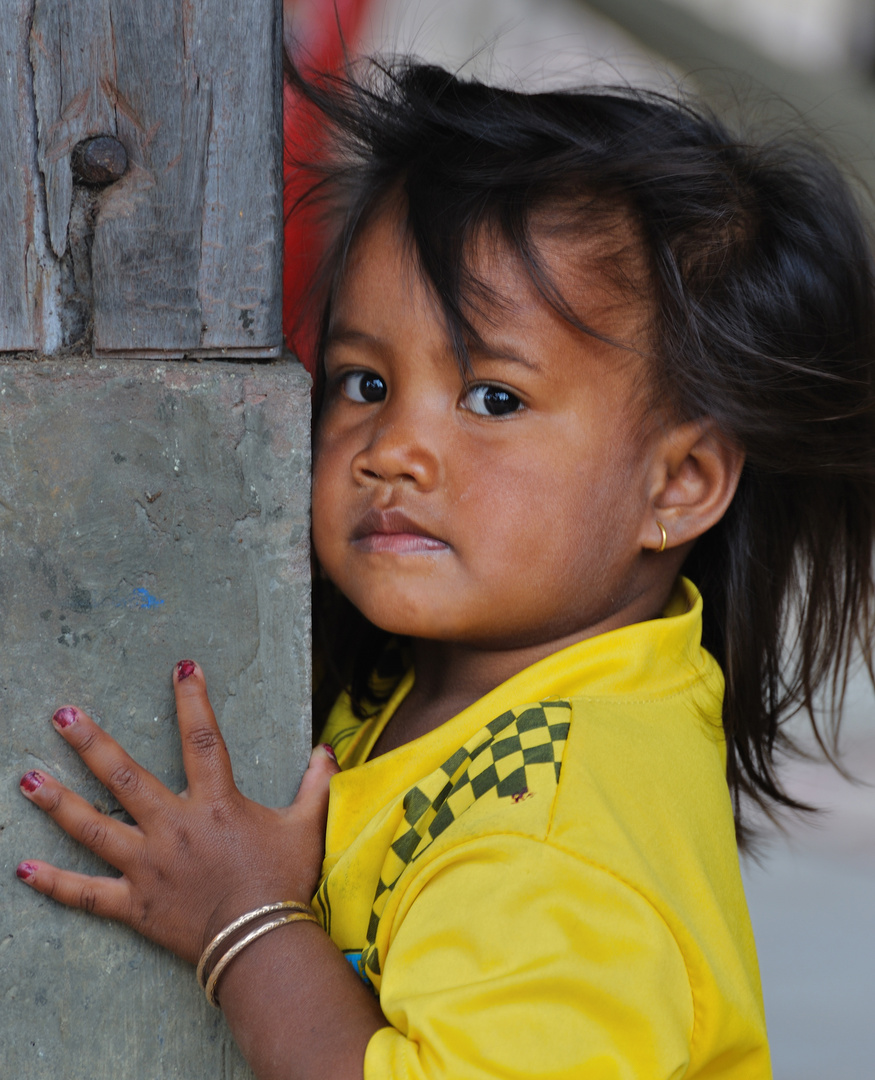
184	668
32	781
65	717
329	750
25	871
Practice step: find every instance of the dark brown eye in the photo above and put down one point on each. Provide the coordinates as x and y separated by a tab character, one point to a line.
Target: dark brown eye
364	387
490	400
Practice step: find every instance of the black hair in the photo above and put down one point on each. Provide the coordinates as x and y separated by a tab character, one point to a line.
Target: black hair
760	280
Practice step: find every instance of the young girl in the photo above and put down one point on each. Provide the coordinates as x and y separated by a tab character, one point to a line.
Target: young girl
593	508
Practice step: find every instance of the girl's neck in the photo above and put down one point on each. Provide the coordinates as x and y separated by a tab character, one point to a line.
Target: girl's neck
450	677
451	672
448	672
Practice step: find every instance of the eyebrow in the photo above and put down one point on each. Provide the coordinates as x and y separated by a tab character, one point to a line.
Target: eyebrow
348	335
484	351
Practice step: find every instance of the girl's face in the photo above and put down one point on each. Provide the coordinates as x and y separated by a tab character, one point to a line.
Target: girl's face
505	512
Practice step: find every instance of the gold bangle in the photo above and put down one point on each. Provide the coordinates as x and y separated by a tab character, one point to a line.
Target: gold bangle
253	935
244	920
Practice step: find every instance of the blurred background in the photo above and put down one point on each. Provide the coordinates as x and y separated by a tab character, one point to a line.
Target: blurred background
809	62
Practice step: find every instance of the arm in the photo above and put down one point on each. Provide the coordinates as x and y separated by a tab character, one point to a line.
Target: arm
194	862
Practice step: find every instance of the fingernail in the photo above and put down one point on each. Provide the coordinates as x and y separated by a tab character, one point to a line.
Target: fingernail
31	781
65	717
25	871
329	750
184	668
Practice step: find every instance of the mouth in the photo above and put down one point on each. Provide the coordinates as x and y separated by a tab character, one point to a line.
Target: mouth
392	531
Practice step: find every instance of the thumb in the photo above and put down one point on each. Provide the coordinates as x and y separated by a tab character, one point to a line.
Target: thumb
312	797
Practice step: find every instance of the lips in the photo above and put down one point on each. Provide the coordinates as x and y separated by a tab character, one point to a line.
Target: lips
391	530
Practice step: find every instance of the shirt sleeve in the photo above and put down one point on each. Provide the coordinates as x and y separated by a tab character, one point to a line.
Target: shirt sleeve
510	958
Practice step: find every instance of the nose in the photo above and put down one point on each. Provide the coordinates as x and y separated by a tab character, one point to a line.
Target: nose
402	448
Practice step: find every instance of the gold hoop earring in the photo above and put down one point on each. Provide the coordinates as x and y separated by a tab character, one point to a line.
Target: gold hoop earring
661	528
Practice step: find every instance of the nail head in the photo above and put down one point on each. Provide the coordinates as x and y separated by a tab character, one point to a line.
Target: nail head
101	160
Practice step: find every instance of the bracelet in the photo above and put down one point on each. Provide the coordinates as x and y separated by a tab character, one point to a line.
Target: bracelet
295	912
253	935
244	920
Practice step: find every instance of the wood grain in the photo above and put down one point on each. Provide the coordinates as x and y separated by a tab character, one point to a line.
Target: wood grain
241	279
186	250
71	53
16	203
147	241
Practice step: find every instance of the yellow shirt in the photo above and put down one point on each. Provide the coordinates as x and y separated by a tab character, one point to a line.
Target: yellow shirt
547	885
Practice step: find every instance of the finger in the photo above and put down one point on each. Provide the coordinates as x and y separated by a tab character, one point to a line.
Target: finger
204	754
107	897
138	791
312	797
112	840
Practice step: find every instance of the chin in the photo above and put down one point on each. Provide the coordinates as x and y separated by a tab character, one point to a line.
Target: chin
405	621
399	617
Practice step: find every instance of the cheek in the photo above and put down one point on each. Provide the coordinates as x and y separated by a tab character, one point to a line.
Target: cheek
327	503
523	515
566	511
331	450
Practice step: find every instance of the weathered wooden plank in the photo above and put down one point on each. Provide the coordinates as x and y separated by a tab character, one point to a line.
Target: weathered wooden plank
183	254
71	53
147	240
16	203
147	512
240	283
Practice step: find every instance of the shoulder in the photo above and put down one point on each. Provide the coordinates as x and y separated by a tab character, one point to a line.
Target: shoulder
505	778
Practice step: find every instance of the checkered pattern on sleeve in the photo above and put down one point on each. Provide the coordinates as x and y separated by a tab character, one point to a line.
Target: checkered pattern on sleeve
518	752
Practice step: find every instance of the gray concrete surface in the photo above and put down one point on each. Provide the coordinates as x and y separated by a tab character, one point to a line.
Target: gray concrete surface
148	512
812	902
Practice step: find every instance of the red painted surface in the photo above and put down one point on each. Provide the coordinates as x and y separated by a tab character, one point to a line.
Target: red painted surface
326	28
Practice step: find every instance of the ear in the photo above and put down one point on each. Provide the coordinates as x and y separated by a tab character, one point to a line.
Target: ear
695	473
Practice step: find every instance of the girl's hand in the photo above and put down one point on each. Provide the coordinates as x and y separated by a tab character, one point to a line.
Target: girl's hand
192	862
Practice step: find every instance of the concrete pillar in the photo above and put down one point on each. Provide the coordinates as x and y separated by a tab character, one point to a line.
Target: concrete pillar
148	512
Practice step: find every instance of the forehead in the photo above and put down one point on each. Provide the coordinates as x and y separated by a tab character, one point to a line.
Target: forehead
590	269
589	266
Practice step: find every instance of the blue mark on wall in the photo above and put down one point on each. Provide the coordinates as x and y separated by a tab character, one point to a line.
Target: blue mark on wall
139	600
147	600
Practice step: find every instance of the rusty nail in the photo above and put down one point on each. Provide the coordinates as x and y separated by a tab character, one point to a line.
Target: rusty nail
102	160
